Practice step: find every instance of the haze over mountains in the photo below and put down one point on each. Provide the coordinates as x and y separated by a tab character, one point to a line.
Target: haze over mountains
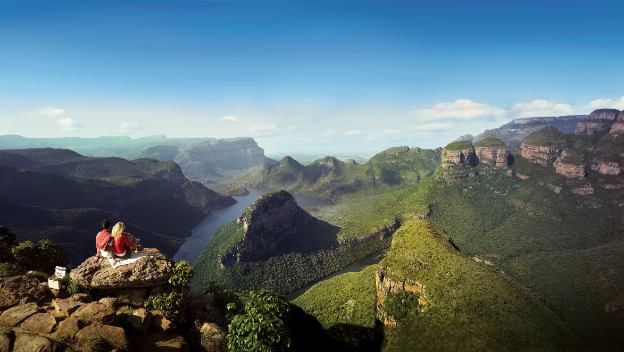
202	159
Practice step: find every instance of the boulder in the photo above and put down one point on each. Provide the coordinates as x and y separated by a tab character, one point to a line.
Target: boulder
35	343
139	319
19	290
128	296
6	341
65	307
152	270
111	302
114	335
160	323
82	297
13	316
95	312
212	338
42	323
160	343
67	328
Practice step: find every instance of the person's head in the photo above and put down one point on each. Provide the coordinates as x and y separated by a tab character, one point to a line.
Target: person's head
118	229
106	225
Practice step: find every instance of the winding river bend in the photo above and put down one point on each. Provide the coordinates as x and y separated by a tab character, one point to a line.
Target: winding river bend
202	233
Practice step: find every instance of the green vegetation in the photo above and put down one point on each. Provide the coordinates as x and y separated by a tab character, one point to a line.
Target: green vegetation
332	178
348	298
490	142
282	273
547	136
42	256
172	303
260	324
459	145
469	306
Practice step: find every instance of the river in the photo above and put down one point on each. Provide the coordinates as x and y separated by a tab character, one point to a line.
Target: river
202	233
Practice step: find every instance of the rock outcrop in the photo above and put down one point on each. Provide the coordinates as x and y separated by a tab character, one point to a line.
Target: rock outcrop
460	153
570	165
493	151
386	285
618	126
607	167
599	121
19	290
271	225
543	147
96	272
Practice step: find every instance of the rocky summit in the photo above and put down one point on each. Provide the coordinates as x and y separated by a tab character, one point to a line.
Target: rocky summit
267	224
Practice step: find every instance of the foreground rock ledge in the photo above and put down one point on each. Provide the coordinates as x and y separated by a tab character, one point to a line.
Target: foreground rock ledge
96	272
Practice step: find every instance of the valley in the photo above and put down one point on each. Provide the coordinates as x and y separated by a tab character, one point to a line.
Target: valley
483	245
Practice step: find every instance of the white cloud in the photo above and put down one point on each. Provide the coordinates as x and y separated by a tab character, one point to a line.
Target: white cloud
540	107
68	124
329	132
391	131
460	109
229	118
353	133
48	111
128	127
607	103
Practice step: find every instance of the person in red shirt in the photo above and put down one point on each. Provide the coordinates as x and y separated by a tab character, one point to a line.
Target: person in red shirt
123	242
104	241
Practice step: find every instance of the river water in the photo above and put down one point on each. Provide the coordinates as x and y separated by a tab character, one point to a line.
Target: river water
202	233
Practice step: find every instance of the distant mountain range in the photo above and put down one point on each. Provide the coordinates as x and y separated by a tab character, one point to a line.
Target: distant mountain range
62	195
202	159
330	177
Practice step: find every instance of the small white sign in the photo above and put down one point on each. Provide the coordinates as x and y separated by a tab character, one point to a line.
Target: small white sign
60	272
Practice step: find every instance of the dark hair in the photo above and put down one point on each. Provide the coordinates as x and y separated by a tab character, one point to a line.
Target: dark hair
106	225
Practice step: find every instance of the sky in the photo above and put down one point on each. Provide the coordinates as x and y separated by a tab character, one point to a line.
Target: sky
304	76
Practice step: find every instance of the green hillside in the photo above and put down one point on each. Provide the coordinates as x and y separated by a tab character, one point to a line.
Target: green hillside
467	305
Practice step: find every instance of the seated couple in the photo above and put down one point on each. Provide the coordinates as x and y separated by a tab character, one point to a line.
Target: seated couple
115	243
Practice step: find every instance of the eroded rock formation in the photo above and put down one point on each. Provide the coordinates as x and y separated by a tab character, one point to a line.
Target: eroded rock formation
569	165
386	285
599	121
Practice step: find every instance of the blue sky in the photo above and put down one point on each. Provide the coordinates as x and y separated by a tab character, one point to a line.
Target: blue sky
317	76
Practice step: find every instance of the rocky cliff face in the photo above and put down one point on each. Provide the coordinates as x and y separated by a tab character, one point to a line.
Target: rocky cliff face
618	126
598	122
606	167
211	161
543	147
569	165
488	151
270	225
386	285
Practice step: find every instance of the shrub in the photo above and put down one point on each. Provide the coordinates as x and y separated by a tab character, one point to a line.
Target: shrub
173	302
182	274
43	256
8	269
73	287
260	326
402	305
